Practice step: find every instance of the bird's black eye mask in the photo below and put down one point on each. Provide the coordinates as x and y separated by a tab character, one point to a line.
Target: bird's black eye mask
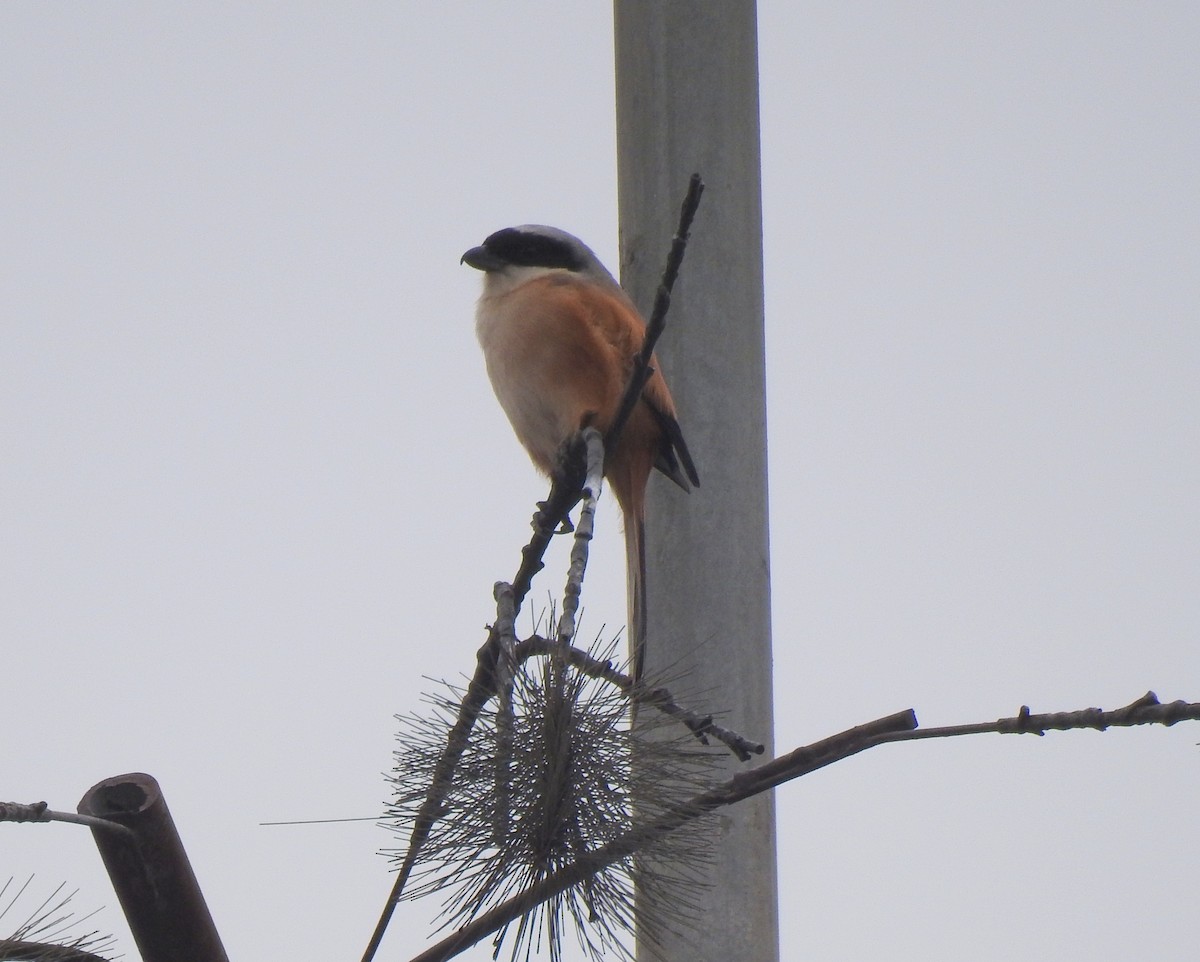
523	249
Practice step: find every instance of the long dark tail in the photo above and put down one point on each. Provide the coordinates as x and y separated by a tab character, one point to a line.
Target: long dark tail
635	575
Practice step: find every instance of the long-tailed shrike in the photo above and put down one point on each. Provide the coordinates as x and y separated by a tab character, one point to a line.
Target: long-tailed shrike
559	337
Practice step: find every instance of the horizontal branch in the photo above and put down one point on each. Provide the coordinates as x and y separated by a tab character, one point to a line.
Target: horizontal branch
1147	710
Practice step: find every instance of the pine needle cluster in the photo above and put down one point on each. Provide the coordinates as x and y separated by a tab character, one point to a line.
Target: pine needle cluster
45	933
541	785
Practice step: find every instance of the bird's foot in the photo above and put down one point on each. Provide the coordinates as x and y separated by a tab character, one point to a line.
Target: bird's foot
541	522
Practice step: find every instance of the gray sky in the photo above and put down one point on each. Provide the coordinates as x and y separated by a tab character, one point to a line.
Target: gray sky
255	484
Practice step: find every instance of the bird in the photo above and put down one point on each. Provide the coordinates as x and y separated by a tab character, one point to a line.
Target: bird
559	338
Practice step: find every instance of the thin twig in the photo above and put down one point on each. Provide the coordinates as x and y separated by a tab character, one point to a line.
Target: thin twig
583	535
658	315
564	493
1147	710
506	666
702	726
480	689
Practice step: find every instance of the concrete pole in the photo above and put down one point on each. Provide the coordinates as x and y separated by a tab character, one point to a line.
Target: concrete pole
687	101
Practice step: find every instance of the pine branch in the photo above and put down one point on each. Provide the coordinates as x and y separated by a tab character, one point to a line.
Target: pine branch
43	935
901	726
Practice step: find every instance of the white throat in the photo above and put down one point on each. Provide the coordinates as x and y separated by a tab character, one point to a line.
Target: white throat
508	279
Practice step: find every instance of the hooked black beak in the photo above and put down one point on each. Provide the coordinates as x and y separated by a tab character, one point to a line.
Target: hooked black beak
481	259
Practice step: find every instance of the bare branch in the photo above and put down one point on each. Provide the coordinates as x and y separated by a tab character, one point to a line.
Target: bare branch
1147	710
